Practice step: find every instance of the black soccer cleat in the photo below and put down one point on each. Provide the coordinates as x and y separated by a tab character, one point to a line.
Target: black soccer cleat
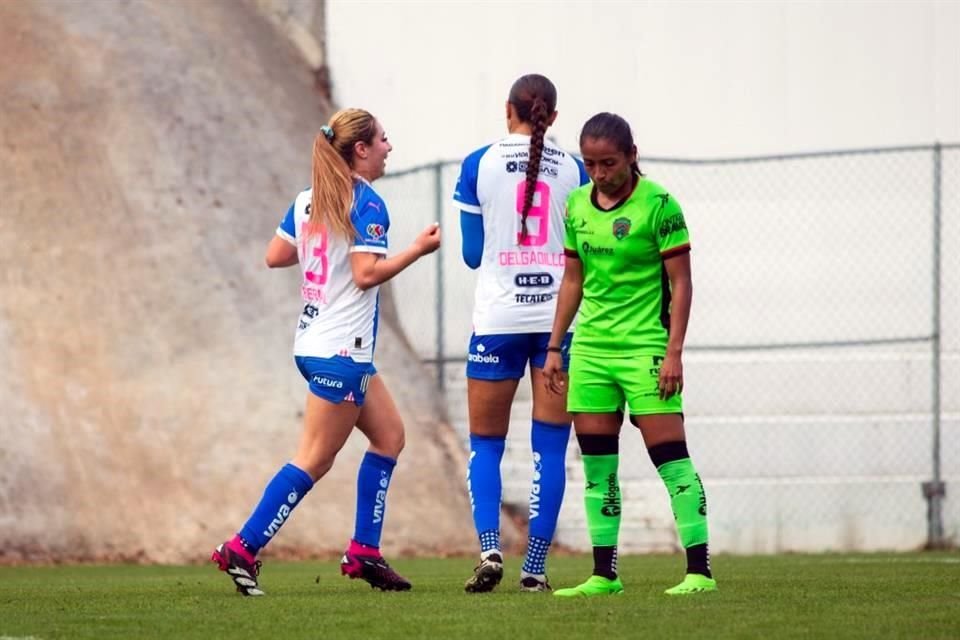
533	582
243	572
486	575
374	570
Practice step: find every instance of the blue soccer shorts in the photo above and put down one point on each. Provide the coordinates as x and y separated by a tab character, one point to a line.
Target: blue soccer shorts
505	356
337	379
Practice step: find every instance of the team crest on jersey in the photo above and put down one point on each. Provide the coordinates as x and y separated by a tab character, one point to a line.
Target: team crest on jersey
375	231
621	227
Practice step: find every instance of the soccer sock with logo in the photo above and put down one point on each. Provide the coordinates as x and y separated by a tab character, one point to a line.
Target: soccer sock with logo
549	444
688	501
602	499
282	494
485	487
373	480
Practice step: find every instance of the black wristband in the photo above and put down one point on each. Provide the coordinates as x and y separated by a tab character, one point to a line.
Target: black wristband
554	349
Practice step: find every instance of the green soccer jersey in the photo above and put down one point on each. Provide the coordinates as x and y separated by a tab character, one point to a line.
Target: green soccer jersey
626	292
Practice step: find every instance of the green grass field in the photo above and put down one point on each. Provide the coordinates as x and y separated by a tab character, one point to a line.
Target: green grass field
789	596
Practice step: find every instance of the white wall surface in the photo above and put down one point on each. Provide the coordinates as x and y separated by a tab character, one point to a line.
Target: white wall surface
698	79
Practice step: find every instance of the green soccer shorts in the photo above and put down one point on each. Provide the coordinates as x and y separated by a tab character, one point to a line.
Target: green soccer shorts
603	385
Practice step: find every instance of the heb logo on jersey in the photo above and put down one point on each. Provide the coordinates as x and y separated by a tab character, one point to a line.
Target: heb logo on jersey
375	231
533	279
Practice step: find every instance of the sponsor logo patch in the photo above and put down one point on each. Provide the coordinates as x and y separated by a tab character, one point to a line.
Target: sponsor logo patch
533	279
375	231
324	381
672	225
591	250
481	357
611	499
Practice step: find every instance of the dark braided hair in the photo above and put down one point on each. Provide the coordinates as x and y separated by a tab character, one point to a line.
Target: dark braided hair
535	99
610	126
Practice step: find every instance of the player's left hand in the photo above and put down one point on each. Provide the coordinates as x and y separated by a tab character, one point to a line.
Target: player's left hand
428	240
553	376
671	376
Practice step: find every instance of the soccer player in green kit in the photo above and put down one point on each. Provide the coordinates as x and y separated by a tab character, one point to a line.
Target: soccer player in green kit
628	272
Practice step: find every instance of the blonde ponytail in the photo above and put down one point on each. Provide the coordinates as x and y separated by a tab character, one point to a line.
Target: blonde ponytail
332	180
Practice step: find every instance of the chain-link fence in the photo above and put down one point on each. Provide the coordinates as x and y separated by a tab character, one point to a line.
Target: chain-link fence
822	362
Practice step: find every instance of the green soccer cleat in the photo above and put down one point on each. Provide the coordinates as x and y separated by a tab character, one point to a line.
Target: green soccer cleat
692	583
594	586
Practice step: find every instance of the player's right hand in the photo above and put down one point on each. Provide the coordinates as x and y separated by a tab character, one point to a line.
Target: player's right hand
429	239
555	380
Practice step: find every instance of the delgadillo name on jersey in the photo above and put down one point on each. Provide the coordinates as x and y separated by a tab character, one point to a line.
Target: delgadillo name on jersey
526	258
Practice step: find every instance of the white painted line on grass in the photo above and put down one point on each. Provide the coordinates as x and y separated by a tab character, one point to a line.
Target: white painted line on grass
894	560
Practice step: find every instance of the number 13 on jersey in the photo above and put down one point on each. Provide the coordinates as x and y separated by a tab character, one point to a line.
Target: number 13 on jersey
317	247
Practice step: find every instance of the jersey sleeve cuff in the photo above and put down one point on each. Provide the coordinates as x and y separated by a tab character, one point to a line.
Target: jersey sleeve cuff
286	236
469	208
365	248
571	253
675	251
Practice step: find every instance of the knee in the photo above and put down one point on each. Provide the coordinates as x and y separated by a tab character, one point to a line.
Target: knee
316	466
390	443
397	442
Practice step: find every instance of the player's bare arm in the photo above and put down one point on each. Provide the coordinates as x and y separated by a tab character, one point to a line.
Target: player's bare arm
281	253
681	288
568	301
372	269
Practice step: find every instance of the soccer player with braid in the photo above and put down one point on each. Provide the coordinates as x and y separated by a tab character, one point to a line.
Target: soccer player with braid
511	195
628	276
336	231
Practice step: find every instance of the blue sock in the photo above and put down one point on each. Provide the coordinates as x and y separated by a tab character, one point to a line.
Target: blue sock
373	480
549	443
536	560
282	494
485	487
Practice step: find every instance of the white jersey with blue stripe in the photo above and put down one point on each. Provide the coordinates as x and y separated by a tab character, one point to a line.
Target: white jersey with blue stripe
519	279
338	318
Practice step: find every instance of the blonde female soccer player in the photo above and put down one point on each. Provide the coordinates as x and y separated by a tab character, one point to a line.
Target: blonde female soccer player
337	232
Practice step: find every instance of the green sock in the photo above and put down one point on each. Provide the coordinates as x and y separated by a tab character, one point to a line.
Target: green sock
602	499
687	499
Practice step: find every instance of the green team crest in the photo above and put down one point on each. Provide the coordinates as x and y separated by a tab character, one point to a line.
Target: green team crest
621	227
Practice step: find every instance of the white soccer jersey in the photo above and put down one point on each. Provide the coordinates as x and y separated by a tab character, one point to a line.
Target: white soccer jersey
338	318
518	281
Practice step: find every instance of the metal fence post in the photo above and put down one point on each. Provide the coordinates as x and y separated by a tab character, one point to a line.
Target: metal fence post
439	315
935	490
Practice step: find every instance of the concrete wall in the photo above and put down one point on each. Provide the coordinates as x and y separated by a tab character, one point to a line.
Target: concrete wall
148	392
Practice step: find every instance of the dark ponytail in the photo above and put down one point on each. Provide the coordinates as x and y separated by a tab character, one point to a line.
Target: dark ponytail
535	99
538	118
